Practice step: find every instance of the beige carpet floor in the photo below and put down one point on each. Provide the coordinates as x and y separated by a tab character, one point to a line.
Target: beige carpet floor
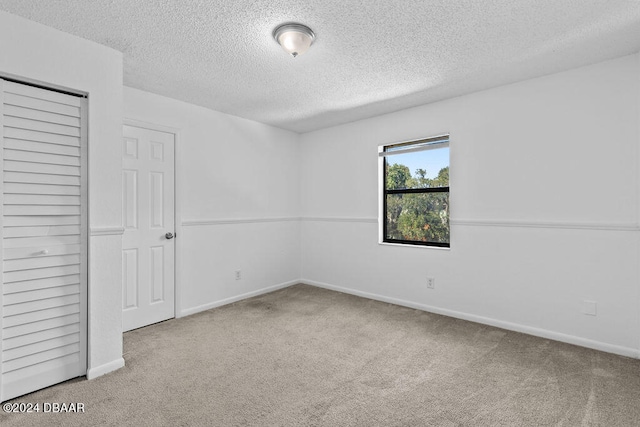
305	356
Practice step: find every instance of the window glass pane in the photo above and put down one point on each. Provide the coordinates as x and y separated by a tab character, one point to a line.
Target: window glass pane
420	169
420	217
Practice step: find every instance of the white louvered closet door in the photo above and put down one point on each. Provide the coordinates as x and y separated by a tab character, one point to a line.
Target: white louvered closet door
44	238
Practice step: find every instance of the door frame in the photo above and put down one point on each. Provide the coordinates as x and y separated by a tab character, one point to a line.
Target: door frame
176	203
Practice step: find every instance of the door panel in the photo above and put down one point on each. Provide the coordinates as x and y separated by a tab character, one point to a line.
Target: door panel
44	238
148	214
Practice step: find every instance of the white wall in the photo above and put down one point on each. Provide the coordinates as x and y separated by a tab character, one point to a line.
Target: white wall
33	52
238	201
544	207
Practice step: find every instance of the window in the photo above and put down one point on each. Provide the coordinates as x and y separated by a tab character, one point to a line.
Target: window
415	192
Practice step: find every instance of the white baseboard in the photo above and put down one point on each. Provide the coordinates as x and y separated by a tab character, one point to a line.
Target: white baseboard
208	306
543	333
98	371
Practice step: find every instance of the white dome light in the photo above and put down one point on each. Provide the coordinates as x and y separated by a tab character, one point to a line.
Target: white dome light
295	39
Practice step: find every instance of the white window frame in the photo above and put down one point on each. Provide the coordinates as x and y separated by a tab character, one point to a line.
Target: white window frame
422	144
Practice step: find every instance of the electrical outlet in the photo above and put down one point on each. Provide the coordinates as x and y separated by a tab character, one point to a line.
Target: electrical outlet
589	308
238	274
431	282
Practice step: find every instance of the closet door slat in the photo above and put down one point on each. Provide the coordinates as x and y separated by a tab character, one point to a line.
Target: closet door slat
37	136
41	116
45	230
28	124
47	158
19	188
41	94
41	105
41	147
29	251
40	178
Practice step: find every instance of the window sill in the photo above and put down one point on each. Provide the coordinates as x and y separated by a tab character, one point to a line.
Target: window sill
401	245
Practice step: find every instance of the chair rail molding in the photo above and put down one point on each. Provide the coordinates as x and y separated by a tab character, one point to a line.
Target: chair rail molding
607	226
222	221
369	220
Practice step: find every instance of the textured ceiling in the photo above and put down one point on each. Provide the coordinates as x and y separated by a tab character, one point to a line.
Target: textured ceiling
370	56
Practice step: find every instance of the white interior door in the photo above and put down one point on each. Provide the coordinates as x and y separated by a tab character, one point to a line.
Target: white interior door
44	238
148	252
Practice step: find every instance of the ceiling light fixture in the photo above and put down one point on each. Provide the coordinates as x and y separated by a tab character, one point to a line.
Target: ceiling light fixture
295	39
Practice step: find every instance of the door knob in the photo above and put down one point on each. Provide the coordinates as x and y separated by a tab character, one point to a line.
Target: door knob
169	236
